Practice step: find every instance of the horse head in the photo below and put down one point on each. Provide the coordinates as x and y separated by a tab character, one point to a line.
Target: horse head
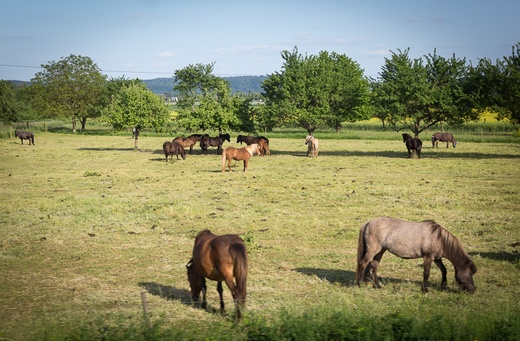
464	277
196	280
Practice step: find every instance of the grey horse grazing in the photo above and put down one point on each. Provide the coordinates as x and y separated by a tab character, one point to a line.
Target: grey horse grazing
443	137
312	146
411	240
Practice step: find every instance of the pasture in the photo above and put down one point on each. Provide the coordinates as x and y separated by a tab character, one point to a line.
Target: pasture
88	224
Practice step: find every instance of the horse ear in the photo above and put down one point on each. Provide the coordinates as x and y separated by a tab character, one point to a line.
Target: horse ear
189	264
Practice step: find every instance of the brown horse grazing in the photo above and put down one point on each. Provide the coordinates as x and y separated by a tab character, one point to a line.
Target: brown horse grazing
189	141
25	135
219	258
413	144
313	146
410	240
244	153
171	148
443	137
263	146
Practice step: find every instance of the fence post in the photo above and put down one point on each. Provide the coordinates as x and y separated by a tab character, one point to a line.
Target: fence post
145	309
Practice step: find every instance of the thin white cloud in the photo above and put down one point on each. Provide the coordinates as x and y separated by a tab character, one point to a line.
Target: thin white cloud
379	53
165	54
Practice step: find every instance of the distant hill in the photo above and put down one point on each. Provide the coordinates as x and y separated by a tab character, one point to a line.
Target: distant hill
245	84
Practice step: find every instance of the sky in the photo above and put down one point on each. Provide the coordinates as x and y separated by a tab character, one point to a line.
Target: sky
149	39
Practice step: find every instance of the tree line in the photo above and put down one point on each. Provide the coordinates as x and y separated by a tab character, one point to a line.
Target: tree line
310	91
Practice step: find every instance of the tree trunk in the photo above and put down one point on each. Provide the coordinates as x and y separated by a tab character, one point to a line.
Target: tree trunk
83	123
73	123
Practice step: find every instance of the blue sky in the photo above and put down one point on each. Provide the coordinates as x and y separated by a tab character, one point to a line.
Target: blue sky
152	38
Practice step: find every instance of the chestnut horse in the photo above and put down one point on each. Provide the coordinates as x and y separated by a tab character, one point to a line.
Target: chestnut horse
188	141
244	153
219	258
251	139
25	135
413	144
410	240
174	147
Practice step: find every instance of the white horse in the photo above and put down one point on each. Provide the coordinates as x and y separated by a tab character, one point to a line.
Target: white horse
313	145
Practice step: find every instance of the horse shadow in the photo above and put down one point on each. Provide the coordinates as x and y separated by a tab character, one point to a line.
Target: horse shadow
167	292
343	277
511	257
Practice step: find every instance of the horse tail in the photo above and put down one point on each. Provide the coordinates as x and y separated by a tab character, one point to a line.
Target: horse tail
362	249
239	253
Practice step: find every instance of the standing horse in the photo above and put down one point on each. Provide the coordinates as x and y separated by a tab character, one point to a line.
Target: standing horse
25	135
244	153
410	240
171	148
219	258
413	144
189	141
443	137
263	146
251	139
207	141
313	146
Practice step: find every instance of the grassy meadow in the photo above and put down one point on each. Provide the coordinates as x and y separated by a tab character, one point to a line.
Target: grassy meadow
88	224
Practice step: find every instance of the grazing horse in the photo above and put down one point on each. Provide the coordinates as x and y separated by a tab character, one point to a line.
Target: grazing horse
25	135
443	137
411	240
413	144
189	141
219	258
206	142
251	139
263	146
171	148
244	153
313	146
225	137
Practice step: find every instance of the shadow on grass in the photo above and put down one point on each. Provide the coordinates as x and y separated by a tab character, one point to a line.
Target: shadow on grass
343	277
167	292
500	256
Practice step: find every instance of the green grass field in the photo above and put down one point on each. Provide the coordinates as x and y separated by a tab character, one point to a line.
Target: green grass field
88	224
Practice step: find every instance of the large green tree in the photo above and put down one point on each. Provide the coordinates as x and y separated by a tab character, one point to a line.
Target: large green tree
498	85
9	103
415	95
133	105
72	86
205	100
317	91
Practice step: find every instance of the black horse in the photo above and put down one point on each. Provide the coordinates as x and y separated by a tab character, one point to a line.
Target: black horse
206	142
251	139
25	135
413	144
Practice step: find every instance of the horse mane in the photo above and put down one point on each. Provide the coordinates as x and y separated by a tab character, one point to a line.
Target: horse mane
451	246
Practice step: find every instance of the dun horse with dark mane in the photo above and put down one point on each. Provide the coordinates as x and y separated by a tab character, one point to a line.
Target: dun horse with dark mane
410	240
244	153
443	137
188	141
222	259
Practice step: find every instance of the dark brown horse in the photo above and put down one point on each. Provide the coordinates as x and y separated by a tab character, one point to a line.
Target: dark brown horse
443	137
174	147
410	240
206	142
222	259
238	154
248	139
413	144
25	135
189	141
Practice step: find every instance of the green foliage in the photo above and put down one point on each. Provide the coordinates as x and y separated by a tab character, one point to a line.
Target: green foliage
317	91
73	85
135	106
413	95
205	100
9	104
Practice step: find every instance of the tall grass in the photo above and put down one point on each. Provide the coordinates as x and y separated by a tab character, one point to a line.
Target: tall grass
88	224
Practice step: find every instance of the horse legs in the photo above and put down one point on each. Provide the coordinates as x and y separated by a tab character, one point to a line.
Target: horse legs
246	161
374	264
426	273
440	265
220	292
204	289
